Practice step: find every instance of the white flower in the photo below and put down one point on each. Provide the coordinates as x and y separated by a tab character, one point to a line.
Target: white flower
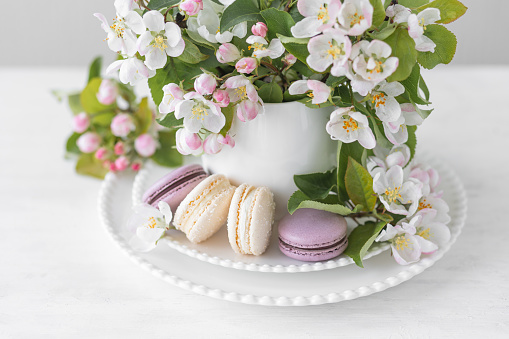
430	233
331	48
348	126
355	16
260	49
149	225
398	13
319	15
161	40
173	94
404	244
122	33
132	70
427	175
386	106
199	112
398	195
124	6
188	143
241	91
396	131
417	26
320	92
385	159
214	143
207	24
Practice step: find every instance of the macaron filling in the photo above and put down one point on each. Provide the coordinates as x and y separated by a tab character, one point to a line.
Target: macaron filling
159	194
317	248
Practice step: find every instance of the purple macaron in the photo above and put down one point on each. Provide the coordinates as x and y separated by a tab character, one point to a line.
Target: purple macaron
175	186
312	235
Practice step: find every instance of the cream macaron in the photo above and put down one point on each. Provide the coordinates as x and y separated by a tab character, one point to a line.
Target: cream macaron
205	209
250	219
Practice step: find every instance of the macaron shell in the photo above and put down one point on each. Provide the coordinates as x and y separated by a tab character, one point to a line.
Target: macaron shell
234	216
313	254
262	219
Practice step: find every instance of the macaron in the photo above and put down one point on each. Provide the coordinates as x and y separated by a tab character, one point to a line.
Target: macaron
175	186
205	209
312	235
250	219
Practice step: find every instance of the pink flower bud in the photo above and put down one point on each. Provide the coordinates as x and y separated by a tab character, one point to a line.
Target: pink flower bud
205	84
136	166
211	145
101	153
113	168
246	65
145	145
88	142
121	163
259	29
107	92
119	148
191	7
289	59
122	124
227	140
80	123
221	97
227	52
188	143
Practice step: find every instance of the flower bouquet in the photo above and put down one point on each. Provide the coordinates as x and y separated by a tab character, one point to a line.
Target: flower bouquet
212	64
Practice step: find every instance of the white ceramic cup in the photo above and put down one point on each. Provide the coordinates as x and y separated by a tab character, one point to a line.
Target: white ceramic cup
288	139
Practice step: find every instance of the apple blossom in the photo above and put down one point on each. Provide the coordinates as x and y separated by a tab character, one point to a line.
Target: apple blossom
121	163
227	52
80	122
386	106
319	15
398	13
396	131
355	16
191	7
289	59
148	224
100	153
260	49
417	26
199	112
205	84
119	148
384	159
123	7
398	195
241	91
214	143
122	33
320	92
136	166
246	65
207	24
173	94
430	233
259	29
437	204
348	126
330	48
88	142
188	143
108	92
427	175
161	40
221	97
132	70
122	124
404	244
145	145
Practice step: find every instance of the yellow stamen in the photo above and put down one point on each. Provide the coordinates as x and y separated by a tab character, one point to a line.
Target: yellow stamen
425	233
241	92
379	99
199	112
336	51
257	46
323	14
424	204
401	242
392	195
152	222
119	27
355	19
159	42
350	125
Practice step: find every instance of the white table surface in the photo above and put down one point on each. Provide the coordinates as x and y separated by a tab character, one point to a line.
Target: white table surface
62	277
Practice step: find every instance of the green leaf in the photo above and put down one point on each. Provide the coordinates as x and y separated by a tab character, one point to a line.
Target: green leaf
88	98
94	70
361	239
228	112
300	200
170	121
384	33
359	185
412	3
444	51
345	151
412	141
271	93
197	38
295	14
158	4
424	87
378	12
71	146
103	118
126	91
277	22
191	54
403	47
239	11
167	155
316	185
74	101
175	71
302	68
88	165
450	10
334	82
143	116
296	46
411	85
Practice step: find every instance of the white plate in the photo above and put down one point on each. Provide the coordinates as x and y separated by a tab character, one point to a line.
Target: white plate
217	249
326	286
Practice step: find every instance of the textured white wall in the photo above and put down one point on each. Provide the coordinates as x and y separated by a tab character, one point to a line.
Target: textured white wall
64	32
